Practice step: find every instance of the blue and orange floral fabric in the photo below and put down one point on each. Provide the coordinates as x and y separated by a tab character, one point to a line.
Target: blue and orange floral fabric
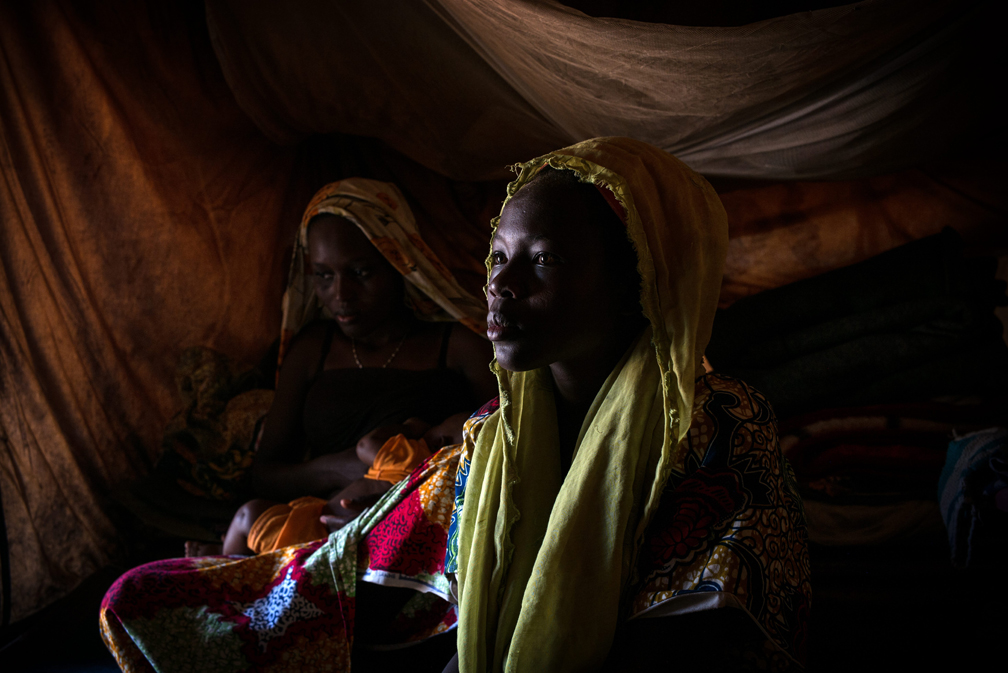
291	609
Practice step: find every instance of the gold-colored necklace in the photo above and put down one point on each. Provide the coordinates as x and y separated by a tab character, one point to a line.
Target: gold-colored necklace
353	347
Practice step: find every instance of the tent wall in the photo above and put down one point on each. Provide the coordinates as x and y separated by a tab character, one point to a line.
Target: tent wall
788	231
131	185
143	211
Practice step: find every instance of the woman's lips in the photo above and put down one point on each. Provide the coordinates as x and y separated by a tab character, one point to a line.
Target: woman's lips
500	328
346	318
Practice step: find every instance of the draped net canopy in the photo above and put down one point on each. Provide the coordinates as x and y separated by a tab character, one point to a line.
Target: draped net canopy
468	86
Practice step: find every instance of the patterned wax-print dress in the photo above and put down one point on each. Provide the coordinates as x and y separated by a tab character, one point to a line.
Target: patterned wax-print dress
729	531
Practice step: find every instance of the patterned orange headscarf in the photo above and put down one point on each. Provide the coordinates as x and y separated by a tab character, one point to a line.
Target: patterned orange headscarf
381	212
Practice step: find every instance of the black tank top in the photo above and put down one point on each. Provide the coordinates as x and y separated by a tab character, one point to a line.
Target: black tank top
343	405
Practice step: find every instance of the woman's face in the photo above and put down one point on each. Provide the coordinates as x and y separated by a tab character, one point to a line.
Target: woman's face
352	279
551	295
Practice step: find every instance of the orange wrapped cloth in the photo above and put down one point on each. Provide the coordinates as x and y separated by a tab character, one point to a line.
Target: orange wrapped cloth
397	457
299	521
283	525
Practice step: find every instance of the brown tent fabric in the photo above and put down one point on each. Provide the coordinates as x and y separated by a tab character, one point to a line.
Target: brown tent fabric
785	232
142	211
467	86
132	185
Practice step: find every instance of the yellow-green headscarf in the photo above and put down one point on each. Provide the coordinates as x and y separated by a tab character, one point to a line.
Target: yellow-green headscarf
545	558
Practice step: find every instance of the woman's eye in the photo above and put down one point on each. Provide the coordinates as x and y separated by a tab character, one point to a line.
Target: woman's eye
497	258
546	258
362	272
324	275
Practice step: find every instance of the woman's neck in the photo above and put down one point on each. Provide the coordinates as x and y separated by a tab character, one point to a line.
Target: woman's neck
392	331
576	383
570	418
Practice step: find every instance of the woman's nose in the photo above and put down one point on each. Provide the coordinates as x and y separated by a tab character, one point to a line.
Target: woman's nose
502	282
340	288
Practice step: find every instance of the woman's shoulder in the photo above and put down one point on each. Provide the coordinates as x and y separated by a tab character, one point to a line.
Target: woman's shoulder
306	347
315	331
731	503
486	410
470	354
472	426
730	419
722	391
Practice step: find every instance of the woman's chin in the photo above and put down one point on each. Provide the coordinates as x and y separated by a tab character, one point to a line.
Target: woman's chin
355	329
515	358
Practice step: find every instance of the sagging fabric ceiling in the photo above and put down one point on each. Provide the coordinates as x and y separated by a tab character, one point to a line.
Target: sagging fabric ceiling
155	158
466	87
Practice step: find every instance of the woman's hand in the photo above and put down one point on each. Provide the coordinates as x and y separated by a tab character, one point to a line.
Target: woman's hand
446	433
351	501
339	518
371	443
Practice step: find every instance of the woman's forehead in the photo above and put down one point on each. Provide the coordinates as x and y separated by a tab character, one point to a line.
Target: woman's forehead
545	210
329	228
324	222
339	236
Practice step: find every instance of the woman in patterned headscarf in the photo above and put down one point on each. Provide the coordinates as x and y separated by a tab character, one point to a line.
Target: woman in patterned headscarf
618	482
366	343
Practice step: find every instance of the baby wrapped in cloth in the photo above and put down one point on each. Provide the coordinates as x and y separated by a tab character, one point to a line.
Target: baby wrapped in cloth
382	214
300	520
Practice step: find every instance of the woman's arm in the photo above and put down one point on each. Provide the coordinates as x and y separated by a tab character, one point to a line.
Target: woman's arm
277	471
319	476
446	433
722	639
470	355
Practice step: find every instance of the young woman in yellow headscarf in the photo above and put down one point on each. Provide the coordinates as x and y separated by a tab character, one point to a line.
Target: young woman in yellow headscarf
618	482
